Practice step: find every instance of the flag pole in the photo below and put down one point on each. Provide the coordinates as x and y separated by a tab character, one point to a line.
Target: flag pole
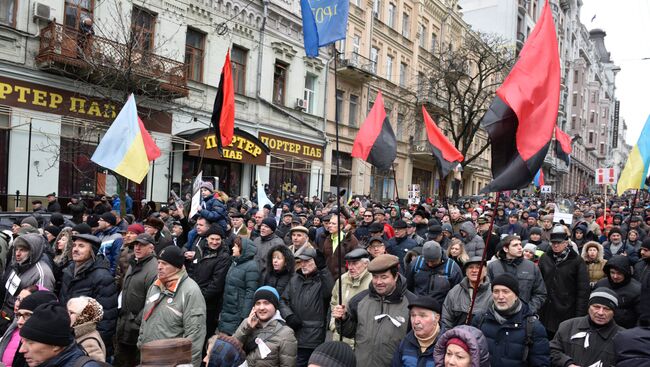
395	179
475	286
636	195
338	190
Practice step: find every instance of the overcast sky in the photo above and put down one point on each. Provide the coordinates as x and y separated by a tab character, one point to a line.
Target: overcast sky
628	40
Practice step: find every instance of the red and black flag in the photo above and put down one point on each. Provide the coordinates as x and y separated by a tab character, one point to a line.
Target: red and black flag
442	149
375	142
562	145
521	119
223	113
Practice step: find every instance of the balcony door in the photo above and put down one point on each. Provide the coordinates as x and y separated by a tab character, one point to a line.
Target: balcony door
75	12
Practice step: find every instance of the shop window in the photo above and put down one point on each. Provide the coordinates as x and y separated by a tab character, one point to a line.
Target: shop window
143	27
289	176
8	12
238	58
5	125
194	47
77	173
279	82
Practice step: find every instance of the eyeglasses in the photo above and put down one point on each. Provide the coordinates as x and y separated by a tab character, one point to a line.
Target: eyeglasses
368	216
24	315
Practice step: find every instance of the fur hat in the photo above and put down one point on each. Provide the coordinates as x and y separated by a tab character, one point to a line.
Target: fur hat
87	310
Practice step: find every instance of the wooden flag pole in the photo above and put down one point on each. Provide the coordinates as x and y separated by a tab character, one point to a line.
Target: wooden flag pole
395	179
338	190
475	286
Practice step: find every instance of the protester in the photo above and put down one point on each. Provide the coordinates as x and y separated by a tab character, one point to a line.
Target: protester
335	242
593	255
458	301
462	346
417	346
432	273
110	239
266	240
85	313
280	266
333	354
628	290
473	242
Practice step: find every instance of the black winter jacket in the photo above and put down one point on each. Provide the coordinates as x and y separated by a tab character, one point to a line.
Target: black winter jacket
94	280
568	345
279	279
308	298
567	289
628	292
209	272
631	347
435	282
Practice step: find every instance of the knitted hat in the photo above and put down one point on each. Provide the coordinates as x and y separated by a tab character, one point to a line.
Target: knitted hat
646	243
447	227
57	219
459	342
530	247
82	228
135	228
535	230
109	218
614	230
333	354
270	222
87	310
53	230
431	250
604	296
207	185
435	229
49	324
507	281
214	229
172	255
36	299
30	220
267	293
226	351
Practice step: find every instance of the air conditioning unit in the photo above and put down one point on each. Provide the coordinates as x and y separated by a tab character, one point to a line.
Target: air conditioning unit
301	104
42	11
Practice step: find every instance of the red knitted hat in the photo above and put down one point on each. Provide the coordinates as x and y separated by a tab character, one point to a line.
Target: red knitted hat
459	342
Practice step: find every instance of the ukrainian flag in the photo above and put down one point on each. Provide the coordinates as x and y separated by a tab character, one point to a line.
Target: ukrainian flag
127	148
636	169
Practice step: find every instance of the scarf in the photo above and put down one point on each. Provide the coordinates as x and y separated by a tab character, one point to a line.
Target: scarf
171	283
426	342
266	238
501	315
336	240
558	258
615	247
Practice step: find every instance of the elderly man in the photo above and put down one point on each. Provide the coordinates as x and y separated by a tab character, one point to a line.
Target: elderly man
459	298
139	276
416	349
567	282
299	240
515	336
175	307
588	340
377	317
353	282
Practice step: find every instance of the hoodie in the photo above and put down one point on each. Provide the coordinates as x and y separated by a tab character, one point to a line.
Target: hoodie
279	279
474	243
594	267
628	291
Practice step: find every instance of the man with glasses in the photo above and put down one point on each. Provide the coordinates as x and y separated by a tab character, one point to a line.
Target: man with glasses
510	259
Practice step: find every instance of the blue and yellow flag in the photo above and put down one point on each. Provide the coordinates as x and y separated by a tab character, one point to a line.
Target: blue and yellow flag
635	173
323	22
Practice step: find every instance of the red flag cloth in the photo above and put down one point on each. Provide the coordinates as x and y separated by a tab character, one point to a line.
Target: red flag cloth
150	147
376	143
564	139
441	148
223	113
522	117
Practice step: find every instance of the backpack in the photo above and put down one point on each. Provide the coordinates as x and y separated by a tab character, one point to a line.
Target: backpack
81	361
420	262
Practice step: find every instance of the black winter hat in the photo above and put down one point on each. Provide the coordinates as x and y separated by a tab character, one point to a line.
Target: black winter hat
82	228
375	227
646	243
428	303
507	281
399	224
54	230
57	219
36	299
270	222
49	324
109	218
267	293
614	230
333	354
172	255
214	229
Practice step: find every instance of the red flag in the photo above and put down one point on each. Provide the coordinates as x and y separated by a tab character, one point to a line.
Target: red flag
522	117
223	113
441	148
375	143
564	139
150	147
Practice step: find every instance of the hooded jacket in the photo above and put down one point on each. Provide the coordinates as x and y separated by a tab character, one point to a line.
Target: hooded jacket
595	267
35	270
263	246
377	340
567	347
531	284
628	291
474	243
279	279
276	335
459	299
475	340
214	211
586	237
241	283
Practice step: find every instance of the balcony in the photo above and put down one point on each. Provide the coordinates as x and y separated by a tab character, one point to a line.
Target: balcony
420	148
110	64
478	164
355	68
431	101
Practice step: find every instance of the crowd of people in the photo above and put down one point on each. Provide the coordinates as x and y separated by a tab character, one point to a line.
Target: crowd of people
479	282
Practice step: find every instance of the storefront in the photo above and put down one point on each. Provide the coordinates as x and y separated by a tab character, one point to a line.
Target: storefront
228	170
292	167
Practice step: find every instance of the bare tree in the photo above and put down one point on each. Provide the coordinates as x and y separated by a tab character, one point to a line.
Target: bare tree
459	88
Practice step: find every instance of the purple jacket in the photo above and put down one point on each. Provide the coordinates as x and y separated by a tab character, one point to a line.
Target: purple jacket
473	337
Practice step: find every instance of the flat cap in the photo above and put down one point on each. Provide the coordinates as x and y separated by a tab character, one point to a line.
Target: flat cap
307	254
482	220
357	254
375	227
88	238
399	224
382	263
145	239
299	229
472	260
378	211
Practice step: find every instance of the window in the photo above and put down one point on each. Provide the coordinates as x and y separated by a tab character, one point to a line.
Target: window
406	25
376	6
422	35
434	41
374	58
421	83
279	82
238	57
356	43
593	97
592	117
194	44
142	26
576	75
574	102
353	110
573	122
310	90
340	45
389	67
75	10
591	137
399	124
339	104
402	74
391	15
8	12
602	148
